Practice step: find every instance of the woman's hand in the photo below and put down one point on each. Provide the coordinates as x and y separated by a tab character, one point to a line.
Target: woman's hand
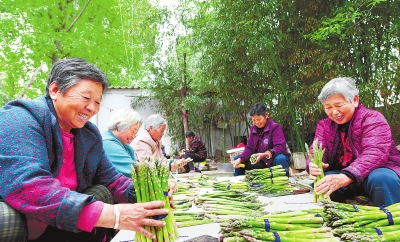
176	164
172	188
314	171
331	183
133	216
260	156
236	163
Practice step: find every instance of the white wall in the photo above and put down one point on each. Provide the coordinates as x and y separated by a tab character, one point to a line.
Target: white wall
116	98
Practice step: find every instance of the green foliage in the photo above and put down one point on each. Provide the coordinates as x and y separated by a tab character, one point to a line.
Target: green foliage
280	53
238	53
47	30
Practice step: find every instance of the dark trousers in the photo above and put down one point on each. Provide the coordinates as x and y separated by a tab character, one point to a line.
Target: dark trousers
382	187
195	158
13	226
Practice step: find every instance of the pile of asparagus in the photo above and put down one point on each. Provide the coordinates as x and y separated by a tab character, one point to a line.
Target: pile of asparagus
232	204
185	187
189	218
183	201
230	186
270	181
363	223
290	226
150	179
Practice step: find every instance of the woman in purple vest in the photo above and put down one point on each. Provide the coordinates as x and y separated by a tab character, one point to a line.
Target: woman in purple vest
360	156
266	142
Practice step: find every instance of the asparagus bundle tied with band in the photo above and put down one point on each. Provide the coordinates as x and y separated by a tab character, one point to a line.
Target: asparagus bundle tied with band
317	159
150	179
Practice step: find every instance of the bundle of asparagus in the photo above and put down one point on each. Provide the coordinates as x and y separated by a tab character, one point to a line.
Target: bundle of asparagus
225	205
186	218
291	226
186	187
150	179
363	223
317	159
183	201
232	195
230	186
271	180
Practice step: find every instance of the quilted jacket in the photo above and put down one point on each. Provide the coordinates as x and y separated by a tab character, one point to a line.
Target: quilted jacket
272	139
31	158
370	140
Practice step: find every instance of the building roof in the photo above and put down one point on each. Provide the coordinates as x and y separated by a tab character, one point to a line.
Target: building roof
122	87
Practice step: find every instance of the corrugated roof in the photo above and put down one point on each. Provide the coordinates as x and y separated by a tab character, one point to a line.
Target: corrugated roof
123	87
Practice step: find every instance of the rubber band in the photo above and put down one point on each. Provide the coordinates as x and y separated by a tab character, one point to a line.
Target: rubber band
267	226
166	194
159	217
277	238
270	170
389	215
272	180
228	187
318	215
355	208
378	231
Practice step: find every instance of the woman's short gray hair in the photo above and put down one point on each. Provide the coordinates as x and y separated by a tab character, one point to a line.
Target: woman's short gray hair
341	85
123	119
67	72
154	121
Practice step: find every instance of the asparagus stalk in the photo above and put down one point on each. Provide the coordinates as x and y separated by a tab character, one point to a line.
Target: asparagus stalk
317	159
194	222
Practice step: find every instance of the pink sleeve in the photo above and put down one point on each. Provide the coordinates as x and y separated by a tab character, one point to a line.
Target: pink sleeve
89	216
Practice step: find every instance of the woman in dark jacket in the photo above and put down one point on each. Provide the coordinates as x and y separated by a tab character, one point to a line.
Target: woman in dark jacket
56	182
197	150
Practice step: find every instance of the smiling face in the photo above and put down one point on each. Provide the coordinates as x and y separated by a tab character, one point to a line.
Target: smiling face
78	104
127	136
338	109
259	120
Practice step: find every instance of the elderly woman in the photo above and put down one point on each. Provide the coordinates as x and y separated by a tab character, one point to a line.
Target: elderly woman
52	158
122	129
148	143
266	142
360	156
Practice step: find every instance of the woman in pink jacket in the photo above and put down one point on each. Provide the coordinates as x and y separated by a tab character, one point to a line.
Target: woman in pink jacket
148	143
360	156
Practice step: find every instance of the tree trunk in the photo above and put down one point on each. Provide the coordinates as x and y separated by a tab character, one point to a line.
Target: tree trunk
183	85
